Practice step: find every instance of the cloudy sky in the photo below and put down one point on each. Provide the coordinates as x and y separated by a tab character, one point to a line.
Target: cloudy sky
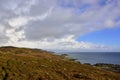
62	25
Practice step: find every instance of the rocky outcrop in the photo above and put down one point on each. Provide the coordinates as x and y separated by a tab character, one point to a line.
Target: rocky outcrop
110	67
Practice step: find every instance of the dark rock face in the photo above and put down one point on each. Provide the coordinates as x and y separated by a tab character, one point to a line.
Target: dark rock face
110	67
64	55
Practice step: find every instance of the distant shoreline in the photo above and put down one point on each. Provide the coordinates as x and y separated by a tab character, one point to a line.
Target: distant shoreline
95	57
105	66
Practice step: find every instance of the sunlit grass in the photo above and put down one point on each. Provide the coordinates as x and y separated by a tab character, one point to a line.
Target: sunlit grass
33	64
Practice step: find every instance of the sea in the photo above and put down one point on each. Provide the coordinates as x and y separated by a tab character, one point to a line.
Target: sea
96	57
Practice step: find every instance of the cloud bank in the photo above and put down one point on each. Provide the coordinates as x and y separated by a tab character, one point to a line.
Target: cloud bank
55	24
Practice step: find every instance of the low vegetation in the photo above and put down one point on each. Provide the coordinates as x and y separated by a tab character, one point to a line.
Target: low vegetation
35	64
110	67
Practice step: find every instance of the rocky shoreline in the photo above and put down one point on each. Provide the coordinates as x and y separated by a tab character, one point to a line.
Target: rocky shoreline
104	66
110	67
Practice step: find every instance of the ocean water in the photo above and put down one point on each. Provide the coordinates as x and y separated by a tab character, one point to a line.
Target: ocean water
96	57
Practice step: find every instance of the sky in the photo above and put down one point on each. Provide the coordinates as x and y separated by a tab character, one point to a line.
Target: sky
61	25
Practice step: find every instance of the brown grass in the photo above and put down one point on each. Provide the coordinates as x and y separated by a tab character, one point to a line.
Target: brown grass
33	64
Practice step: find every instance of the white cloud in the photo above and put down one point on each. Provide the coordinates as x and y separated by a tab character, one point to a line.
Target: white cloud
1	28
109	23
65	44
44	23
42	16
14	36
17	22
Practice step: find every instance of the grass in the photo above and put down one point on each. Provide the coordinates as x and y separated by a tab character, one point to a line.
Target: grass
34	64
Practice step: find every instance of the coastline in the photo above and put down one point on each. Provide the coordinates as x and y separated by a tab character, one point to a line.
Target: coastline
36	64
104	66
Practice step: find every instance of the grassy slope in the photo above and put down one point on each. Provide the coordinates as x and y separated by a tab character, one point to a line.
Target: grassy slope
30	64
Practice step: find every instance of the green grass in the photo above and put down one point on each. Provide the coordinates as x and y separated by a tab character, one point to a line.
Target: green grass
33	64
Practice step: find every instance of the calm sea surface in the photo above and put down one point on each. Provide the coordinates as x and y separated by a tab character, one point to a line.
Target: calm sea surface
96	57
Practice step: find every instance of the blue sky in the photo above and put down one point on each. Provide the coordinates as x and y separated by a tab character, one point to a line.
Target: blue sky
109	37
63	25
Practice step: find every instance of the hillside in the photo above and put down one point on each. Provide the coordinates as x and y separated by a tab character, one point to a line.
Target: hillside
35	64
